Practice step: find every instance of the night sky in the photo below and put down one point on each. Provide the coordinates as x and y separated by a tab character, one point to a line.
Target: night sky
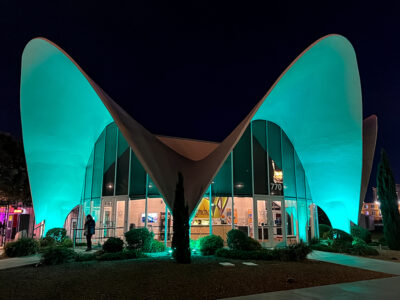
195	69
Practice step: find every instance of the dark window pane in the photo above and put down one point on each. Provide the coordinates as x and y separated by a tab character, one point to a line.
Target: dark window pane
275	159
289	180
122	166
98	165
109	160
138	179
242	165
260	157
222	183
300	178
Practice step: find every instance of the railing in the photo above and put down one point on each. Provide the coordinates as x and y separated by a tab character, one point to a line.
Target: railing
100	235
103	233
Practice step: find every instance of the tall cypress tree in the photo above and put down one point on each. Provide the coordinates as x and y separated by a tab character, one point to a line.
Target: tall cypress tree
180	239
386	186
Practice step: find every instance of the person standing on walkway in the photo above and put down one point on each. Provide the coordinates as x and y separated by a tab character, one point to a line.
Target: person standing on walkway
89	231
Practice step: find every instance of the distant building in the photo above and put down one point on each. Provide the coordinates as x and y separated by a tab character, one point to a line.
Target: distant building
373	208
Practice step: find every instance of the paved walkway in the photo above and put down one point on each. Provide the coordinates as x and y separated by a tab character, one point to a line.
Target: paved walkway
357	262
14	262
386	288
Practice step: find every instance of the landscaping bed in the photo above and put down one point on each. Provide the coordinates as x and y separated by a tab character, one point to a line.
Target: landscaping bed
162	278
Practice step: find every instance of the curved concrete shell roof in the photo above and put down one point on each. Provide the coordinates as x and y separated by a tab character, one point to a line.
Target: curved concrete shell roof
316	101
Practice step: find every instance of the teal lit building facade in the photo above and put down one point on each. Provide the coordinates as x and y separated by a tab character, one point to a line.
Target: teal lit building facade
300	147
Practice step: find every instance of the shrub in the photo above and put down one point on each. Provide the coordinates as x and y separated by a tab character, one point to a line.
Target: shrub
129	254
292	253
362	233
322	247
157	246
46	242
85	257
57	255
238	240
210	244
295	252
337	234
21	247
314	241
58	234
113	245
363	249
341	246
67	242
140	238
323	230
358	241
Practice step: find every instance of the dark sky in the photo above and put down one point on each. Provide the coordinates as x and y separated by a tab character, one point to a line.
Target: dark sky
160	60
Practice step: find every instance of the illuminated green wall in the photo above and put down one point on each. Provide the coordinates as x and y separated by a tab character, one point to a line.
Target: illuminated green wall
317	102
62	117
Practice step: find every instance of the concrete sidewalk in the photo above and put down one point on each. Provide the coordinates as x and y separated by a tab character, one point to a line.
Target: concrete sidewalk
357	262
15	262
385	288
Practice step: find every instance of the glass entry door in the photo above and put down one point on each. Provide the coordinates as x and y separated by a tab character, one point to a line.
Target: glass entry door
270	221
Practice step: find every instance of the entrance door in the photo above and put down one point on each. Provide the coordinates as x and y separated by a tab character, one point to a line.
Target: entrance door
270	221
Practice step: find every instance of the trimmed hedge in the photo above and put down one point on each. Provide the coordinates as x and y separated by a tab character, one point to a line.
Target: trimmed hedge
362	233
67	242
21	247
211	243
46	242
292	253
139	239
57	255
157	246
113	245
129	254
238	240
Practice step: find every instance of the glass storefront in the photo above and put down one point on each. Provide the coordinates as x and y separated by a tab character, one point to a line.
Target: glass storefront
261	189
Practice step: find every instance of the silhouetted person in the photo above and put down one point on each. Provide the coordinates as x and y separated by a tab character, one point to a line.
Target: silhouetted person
89	231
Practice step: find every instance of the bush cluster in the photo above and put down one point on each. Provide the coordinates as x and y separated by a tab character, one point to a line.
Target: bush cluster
21	247
292	253
238	240
113	245
56	255
57	234
362	233
211	243
157	246
139	239
127	254
342	242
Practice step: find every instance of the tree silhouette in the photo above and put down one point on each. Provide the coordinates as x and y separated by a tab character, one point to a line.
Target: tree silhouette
386	187
180	239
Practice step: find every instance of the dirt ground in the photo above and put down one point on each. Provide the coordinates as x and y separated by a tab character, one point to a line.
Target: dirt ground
386	254
162	278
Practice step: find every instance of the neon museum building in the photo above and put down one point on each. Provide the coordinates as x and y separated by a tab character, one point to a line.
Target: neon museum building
303	145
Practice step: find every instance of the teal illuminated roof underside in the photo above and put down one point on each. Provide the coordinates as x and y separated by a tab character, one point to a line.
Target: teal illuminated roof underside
316	101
